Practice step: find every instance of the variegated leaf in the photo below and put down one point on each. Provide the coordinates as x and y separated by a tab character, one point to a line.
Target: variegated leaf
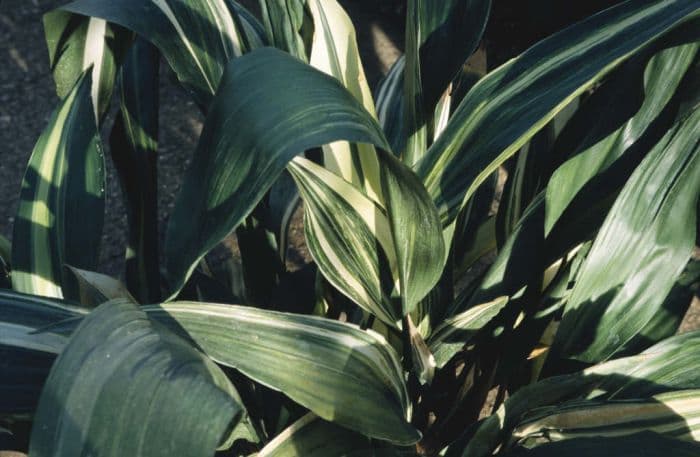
349	236
665	367
508	106
61	209
334	52
196	37
650	443
77	43
674	414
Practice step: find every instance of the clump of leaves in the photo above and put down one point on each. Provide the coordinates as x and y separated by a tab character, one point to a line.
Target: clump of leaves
567	336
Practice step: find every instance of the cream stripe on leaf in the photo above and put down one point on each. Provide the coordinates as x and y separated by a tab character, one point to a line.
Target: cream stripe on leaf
666	367
196	37
284	107
334	51
350	238
675	414
508	106
76	43
61	209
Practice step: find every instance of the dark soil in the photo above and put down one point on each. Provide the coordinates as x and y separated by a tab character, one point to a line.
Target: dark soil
27	97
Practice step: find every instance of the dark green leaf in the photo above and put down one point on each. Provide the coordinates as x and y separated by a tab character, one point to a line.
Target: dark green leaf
341	373
283	21
134	148
122	388
28	348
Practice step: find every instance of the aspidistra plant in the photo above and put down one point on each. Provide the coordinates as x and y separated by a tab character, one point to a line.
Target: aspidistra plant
570	328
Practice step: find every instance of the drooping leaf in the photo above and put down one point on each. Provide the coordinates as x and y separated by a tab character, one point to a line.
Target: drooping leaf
662	76
61	210
665	367
235	180
651	444
673	414
77	43
317	112
639	253
339	372
134	148
415	226
117	367
197	38
535	87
